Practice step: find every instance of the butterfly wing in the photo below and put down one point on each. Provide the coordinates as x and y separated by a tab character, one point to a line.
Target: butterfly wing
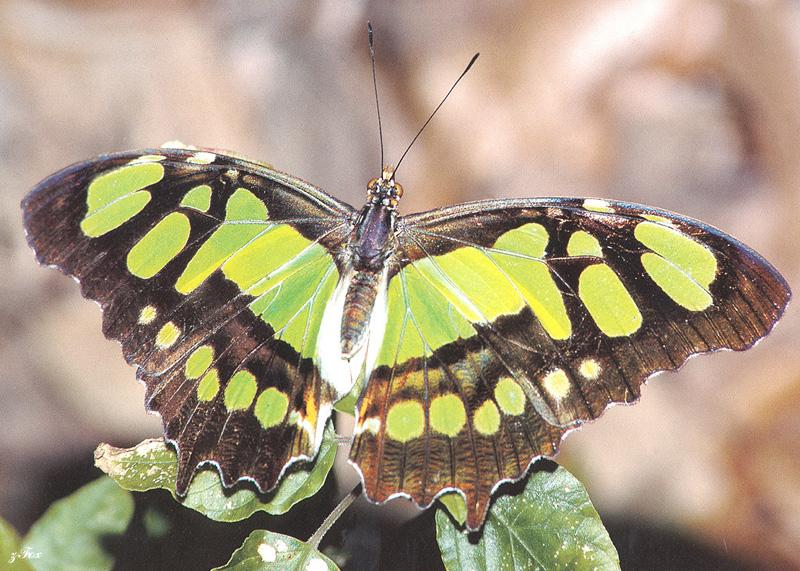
213	273
512	322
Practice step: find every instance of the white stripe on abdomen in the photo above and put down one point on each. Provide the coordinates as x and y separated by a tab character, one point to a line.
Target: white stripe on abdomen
340	373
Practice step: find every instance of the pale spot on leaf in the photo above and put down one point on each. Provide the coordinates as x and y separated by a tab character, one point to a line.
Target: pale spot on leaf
316	564
267	553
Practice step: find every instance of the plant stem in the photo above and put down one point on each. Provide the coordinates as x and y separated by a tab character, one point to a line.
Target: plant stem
337	512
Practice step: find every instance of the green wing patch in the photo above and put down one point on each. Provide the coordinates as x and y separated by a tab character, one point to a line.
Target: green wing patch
510	323
213	273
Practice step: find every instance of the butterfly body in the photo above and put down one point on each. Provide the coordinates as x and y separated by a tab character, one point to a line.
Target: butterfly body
372	245
472	337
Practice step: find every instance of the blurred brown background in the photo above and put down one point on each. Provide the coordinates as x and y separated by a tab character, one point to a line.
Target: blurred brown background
692	106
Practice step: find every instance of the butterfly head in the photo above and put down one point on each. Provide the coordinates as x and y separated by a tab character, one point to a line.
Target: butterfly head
385	190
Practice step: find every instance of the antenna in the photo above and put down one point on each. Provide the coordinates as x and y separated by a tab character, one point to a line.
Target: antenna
463	73
375	85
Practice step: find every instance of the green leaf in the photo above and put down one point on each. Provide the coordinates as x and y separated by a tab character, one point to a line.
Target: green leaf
71	532
550	525
267	551
152	465
347	404
11	553
455	504
155	523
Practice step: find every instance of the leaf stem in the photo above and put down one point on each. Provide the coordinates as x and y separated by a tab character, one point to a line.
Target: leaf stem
337	512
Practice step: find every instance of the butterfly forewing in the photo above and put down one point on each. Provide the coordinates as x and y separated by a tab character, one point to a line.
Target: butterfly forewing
511	322
213	273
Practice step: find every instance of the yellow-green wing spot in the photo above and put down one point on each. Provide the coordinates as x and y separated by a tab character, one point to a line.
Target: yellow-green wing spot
470	281
420	319
148	159
447	414
533	280
198	198
396	346
243	205
159	246
279	251
435	300
116	184
590	369
485	286
405	421
692	257
147	315
528	240
115	214
487	418
680	266
167	335
240	391
199	361
657	218
557	384
291	278
245	218
300	330
597	205
611	306
510	396
208	387
115	197
584	244
271	407
519	252
675	283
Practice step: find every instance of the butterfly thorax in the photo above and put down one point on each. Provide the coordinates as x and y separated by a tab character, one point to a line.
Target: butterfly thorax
371	245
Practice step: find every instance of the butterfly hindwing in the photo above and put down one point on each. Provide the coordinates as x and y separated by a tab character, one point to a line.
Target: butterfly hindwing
213	273
510	323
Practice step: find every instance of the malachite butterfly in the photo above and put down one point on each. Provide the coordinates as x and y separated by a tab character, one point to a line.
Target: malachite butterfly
466	340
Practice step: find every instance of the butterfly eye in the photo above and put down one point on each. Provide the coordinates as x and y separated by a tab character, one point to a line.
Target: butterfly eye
398	190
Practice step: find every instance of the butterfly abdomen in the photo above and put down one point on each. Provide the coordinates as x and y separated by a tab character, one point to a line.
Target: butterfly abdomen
358	304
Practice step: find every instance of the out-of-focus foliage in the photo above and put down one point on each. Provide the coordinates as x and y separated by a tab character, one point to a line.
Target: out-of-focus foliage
11	551
70	534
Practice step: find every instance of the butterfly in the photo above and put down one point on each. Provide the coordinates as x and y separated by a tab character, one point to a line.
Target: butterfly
467	340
